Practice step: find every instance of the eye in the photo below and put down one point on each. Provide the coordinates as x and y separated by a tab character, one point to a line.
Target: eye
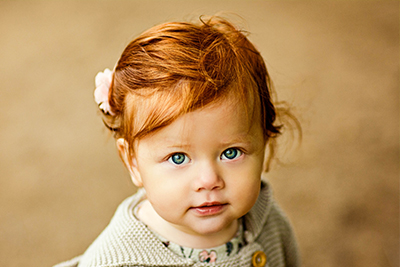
231	153
178	159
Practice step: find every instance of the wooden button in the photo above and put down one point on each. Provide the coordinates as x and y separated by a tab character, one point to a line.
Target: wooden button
259	259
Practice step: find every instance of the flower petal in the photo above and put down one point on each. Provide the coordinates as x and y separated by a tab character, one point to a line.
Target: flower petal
103	83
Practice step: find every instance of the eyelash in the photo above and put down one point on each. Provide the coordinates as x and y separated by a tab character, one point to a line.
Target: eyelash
238	153
171	158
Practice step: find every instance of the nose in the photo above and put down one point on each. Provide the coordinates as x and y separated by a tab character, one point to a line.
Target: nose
208	178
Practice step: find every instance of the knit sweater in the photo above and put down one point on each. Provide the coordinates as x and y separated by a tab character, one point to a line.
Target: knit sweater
126	241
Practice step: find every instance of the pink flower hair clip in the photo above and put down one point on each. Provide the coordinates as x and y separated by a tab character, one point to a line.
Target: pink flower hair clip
103	84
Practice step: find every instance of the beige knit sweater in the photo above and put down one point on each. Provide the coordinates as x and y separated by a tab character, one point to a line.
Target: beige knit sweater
128	242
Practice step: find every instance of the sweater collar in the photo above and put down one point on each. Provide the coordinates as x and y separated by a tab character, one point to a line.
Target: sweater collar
255	219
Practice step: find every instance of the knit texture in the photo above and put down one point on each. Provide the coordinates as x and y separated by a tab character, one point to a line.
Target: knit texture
128	242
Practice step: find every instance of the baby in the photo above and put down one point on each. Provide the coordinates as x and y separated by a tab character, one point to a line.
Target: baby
190	108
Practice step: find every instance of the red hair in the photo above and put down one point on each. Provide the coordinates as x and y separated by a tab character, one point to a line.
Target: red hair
178	67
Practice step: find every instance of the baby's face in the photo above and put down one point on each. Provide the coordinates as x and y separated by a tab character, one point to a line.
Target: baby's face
202	172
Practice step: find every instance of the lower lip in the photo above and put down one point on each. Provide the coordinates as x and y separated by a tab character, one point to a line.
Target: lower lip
209	210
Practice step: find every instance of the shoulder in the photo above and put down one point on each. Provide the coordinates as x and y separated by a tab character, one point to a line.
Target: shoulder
71	263
126	241
120	222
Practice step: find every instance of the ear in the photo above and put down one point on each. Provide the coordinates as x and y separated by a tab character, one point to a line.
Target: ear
129	161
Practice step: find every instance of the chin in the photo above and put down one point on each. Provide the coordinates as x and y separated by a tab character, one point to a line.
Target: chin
211	227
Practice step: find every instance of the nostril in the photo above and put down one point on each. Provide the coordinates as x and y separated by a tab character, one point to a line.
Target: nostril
215	184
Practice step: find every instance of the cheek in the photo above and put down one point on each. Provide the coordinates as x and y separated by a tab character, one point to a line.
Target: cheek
247	185
247	196
163	191
160	198
169	201
250	173
250	186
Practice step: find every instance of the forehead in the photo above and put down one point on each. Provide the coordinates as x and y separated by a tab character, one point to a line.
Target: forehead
224	121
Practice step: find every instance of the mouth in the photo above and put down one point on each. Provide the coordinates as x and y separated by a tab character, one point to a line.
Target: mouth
209	208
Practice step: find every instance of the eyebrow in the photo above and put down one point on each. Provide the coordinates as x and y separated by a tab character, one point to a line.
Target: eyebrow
179	146
242	139
170	143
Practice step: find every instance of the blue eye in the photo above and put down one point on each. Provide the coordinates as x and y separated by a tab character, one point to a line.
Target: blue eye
231	153
178	159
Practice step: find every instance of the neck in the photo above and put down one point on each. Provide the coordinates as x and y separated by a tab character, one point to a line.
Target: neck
179	235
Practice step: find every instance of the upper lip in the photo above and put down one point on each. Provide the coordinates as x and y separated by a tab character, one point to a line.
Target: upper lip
208	204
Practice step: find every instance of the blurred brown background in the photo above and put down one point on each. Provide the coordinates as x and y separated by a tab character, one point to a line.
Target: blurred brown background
335	62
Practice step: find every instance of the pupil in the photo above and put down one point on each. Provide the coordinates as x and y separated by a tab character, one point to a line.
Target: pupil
230	153
178	158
